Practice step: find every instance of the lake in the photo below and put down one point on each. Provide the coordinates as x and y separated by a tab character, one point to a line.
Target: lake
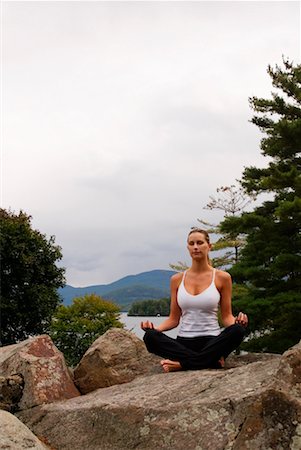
132	323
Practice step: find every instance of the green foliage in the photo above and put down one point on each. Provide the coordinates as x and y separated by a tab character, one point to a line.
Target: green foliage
150	308
74	328
269	330
239	291
29	278
270	263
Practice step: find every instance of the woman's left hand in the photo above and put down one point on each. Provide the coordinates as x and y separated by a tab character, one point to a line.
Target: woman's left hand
242	319
147	325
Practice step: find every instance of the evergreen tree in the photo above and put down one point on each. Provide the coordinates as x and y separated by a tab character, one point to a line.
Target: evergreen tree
231	200
270	262
150	308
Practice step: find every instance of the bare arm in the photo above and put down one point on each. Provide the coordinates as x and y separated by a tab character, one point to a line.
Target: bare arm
175	311
225	288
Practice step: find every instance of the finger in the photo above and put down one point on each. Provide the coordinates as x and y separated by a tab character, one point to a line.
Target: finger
241	317
244	320
146	325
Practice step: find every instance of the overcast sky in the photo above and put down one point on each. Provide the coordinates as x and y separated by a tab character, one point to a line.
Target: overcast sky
120	119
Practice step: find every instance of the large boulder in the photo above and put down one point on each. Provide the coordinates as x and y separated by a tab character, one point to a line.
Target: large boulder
16	436
43	369
249	407
289	371
116	357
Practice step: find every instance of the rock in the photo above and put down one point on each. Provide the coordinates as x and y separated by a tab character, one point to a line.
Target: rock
273	422
11	390
239	408
15	435
289	372
116	357
42	366
247	358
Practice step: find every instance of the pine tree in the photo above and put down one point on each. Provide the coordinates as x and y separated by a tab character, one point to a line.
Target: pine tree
270	262
232	201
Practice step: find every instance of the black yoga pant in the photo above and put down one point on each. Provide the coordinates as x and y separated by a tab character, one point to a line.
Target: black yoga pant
201	352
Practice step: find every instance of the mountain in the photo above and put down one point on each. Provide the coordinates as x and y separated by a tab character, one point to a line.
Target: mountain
144	286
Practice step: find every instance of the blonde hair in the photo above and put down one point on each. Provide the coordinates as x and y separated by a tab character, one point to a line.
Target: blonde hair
199	230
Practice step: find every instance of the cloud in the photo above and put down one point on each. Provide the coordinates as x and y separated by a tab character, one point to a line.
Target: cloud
121	118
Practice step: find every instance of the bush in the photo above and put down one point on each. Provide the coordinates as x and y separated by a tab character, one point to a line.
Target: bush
74	328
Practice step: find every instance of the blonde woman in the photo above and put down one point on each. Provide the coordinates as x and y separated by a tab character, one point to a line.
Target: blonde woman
196	296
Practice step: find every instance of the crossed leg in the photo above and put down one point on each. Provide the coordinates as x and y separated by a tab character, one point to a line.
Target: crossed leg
179	357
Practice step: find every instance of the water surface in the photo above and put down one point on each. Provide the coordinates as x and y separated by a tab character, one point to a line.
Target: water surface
132	323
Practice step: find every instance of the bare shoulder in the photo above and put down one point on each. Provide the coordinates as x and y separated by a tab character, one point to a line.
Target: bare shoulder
223	278
176	279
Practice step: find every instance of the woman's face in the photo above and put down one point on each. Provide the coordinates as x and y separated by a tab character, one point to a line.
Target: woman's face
197	245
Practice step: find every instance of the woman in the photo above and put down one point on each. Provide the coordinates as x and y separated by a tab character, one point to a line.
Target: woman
196	296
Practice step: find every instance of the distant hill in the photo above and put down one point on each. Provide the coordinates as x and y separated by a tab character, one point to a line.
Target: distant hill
144	286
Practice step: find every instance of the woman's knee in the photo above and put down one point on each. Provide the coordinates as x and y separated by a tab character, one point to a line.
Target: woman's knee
237	330
150	337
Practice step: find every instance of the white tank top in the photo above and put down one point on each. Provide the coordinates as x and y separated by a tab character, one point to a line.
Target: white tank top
199	312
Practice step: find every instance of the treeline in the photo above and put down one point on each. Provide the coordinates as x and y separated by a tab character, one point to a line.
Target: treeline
150	308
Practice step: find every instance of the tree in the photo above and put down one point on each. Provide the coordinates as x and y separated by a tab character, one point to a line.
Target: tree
29	278
74	328
150	308
231	200
270	262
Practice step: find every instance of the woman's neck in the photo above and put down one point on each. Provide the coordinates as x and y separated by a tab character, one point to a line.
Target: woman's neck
200	266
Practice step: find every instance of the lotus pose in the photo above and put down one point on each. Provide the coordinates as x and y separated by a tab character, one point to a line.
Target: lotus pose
196	296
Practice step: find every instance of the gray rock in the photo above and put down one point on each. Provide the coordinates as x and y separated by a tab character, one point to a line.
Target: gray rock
42	366
289	371
238	408
16	436
116	357
247	358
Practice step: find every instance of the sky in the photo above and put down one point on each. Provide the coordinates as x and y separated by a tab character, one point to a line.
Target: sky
120	119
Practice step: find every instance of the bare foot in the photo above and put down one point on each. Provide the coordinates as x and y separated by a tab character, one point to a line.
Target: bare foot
170	366
222	362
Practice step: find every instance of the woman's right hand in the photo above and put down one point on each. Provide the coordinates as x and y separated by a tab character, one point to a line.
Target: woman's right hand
147	325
